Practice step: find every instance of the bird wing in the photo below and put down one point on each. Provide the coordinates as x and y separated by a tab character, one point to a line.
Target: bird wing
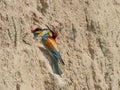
51	45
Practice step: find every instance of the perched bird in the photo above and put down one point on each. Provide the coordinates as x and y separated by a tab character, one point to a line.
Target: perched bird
48	40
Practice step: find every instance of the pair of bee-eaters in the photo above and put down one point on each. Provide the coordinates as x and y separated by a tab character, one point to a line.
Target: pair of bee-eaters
49	42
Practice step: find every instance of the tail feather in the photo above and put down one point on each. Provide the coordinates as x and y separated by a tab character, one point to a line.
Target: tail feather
55	67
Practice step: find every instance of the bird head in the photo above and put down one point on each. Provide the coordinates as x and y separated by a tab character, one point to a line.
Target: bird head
37	32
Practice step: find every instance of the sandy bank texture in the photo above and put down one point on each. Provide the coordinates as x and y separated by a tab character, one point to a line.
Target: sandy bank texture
89	44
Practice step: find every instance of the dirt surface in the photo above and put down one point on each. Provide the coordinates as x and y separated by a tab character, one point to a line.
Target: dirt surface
89	43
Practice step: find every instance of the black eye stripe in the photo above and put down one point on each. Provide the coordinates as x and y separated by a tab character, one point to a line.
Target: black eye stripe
38	29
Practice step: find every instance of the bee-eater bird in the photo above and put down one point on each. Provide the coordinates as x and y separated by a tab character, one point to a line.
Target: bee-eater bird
49	42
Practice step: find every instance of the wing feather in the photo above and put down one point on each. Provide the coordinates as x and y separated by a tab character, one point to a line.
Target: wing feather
51	45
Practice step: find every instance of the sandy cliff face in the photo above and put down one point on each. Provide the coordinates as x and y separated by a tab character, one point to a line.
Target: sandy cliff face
89	44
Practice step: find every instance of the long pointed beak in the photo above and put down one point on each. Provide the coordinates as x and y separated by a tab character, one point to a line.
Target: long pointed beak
49	28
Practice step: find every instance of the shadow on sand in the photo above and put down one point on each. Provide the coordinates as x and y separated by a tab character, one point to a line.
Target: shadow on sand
46	54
